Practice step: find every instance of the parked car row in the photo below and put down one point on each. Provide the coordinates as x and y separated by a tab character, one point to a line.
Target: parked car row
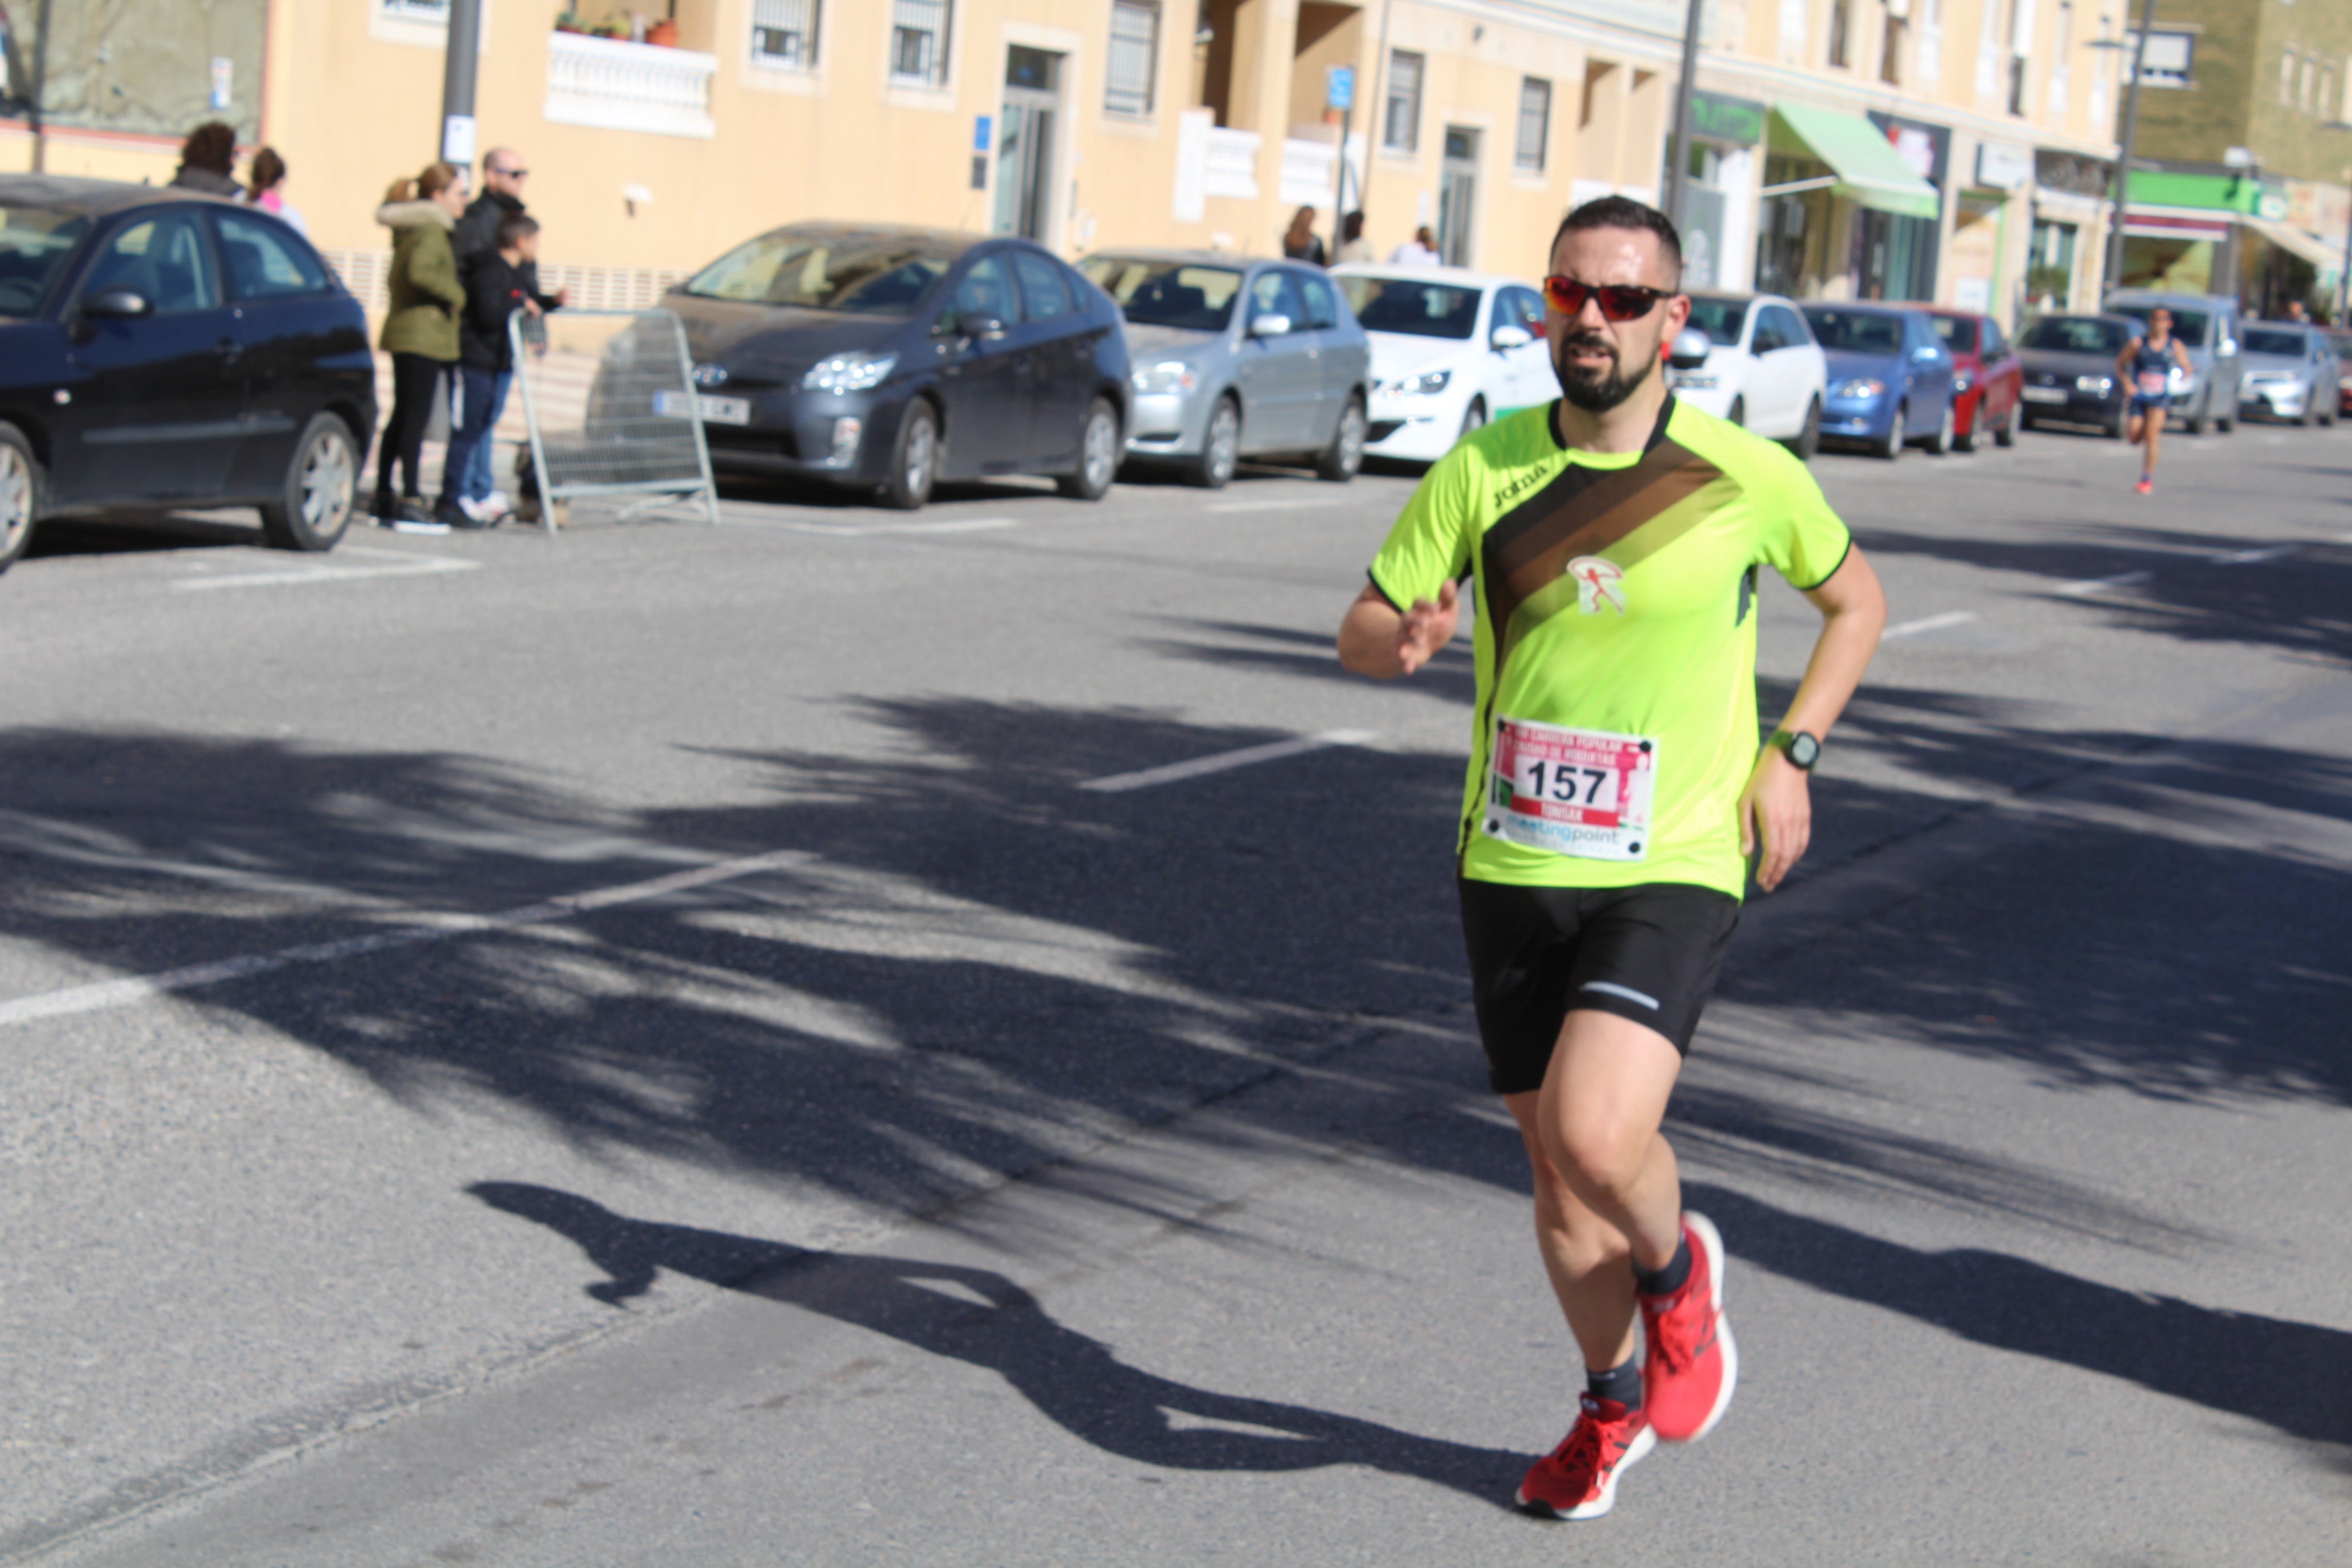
2279	370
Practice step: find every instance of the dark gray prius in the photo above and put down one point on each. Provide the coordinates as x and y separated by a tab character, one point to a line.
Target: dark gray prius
891	358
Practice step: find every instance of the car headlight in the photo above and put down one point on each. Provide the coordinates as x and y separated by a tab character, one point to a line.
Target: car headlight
1852	390
1421	385
1159	380
849	373
2102	384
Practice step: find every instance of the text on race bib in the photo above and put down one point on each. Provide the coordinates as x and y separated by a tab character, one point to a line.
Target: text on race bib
1571	791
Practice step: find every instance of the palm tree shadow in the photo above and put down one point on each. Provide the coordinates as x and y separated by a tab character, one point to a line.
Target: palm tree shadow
984	1319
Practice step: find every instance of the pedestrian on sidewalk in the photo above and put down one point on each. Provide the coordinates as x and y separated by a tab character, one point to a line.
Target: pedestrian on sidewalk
1302	242
1617	798
420	332
503	173
207	161
267	189
496	288
1353	246
1420	250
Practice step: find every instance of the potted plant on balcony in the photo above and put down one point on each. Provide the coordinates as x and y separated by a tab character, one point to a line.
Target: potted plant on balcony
569	22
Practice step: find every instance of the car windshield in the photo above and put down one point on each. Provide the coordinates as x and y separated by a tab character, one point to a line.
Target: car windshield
2076	335
2271	340
1167	293
2189	326
1412	305
34	244
1720	319
1857	331
1958	332
867	275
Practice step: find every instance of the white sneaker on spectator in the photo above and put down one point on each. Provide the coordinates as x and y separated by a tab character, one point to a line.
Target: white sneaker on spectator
495	504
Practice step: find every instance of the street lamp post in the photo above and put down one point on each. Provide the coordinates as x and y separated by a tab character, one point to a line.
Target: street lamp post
457	70
1678	153
2123	145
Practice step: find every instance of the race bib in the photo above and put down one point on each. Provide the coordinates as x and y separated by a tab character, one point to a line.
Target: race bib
1573	791
2152	382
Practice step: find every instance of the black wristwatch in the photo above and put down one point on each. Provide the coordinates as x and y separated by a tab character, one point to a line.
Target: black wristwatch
1800	747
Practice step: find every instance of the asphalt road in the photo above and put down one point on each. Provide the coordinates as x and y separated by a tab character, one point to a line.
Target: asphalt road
750	1045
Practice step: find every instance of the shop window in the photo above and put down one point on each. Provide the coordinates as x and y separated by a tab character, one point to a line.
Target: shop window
1841	29
1535	123
918	41
1133	60
2050	267
1401	116
783	33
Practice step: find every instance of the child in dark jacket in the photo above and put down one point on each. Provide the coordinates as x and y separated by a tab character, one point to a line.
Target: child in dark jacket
497	286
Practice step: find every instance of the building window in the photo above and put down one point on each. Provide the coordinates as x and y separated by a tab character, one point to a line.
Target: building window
1841	25
783	33
2166	60
414	10
918	41
1401	122
1890	53
1133	62
2310	78
2286	79
2019	67
1535	123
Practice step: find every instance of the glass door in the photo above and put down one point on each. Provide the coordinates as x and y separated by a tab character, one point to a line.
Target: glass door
1457	195
1024	143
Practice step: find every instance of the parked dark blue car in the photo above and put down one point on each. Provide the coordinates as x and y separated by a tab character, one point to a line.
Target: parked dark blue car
1890	378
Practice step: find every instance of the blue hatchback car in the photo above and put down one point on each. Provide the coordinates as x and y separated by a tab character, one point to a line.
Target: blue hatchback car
1890	377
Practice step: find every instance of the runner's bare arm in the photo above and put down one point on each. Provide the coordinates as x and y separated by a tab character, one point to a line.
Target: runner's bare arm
1376	639
1777	803
2123	359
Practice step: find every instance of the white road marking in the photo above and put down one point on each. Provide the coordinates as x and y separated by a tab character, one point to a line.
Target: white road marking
405	564
860	530
1930	624
130	990
1297	745
2248	557
2099	584
1270	505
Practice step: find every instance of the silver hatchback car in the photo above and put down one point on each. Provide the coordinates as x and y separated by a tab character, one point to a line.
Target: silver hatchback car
2287	371
1234	357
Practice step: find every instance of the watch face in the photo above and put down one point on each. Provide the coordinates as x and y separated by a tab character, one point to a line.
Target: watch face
1803	749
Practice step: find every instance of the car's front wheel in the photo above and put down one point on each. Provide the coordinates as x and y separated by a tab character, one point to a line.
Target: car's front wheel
1940	443
2005	433
1473	417
1891	447
1809	437
1097	455
1345	455
320	492
914	458
20	494
1221	448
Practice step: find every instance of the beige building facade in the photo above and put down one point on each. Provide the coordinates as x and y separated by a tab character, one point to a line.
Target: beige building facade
1094	123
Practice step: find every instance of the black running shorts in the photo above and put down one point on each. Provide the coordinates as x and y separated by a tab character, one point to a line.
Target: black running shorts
1650	953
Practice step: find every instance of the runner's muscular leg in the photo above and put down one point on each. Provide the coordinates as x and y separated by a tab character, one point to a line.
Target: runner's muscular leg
1606	1182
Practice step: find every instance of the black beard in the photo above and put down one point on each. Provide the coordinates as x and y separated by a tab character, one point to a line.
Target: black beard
1595	393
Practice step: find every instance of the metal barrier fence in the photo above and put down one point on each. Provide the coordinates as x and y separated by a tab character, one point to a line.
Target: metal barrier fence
625	428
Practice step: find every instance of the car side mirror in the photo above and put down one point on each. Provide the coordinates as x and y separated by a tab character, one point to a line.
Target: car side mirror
1511	337
1272	324
1690	349
976	325
117	304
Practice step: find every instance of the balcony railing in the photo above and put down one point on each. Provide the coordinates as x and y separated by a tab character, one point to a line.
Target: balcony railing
618	86
1232	164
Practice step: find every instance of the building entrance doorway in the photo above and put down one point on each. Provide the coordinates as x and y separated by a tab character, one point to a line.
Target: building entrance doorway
1024	142
1457	195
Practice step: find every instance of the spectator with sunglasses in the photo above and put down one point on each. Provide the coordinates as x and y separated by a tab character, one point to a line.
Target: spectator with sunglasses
503	173
1617	799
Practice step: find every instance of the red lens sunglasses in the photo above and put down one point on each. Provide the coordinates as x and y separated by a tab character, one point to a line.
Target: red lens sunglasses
1619	302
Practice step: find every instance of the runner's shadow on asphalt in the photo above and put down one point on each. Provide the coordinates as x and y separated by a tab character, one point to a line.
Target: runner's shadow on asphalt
984	1319
2296	1377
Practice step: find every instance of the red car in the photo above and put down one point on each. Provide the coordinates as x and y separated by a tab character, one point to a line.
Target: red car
1986	378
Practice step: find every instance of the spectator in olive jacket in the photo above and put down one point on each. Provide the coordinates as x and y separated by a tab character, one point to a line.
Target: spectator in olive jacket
421	333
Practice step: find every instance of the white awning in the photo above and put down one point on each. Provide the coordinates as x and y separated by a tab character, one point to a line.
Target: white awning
2296	242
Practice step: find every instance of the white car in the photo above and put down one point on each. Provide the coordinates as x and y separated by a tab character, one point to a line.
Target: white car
1451	350
1763	370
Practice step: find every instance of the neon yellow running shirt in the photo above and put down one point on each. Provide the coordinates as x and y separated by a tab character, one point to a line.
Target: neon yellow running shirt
1615	613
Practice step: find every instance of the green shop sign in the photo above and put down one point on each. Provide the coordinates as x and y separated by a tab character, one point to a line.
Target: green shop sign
1721	119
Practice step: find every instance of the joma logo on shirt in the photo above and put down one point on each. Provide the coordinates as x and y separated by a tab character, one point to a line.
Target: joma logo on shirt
1599	580
1525	481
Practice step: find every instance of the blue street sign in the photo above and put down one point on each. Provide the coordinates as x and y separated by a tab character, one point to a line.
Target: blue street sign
1339	87
980	125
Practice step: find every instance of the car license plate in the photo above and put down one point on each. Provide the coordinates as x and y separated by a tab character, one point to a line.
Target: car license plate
2044	394
715	410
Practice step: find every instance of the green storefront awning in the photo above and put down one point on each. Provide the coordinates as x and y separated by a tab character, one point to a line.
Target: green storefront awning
1868	172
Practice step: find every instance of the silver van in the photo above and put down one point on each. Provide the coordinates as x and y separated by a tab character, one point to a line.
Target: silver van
2207	325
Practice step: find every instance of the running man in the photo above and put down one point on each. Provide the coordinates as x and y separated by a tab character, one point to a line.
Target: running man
1616	794
2145	365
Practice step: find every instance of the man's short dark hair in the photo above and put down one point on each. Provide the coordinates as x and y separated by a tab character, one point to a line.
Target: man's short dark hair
513	226
1623	212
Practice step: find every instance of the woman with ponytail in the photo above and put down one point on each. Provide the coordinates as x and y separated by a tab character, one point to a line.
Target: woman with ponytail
421	333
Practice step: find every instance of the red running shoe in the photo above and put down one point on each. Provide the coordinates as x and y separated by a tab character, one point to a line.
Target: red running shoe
1689	1364
1579	1479
2145	487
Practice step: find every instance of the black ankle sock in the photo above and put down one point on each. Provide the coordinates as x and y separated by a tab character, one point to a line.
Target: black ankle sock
1621	1383
1670	1279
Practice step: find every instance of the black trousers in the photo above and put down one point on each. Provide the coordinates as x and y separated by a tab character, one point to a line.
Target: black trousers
415	382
